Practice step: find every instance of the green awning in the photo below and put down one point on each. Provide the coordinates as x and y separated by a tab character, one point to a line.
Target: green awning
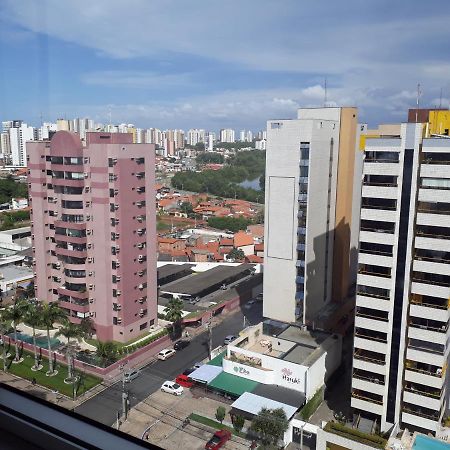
217	361
232	384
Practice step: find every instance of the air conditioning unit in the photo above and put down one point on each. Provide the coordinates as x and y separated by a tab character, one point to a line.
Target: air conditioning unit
117	235
114	160
86	175
91	287
89	232
116	207
90	273
91	300
119	320
90	259
88	218
88	204
89	245
141	286
92	314
117	264
117	278
140	246
119	292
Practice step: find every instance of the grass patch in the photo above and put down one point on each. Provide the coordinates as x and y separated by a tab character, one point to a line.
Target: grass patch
311	406
23	370
356	435
214	424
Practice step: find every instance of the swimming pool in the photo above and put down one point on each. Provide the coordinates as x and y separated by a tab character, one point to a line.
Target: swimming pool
426	443
41	341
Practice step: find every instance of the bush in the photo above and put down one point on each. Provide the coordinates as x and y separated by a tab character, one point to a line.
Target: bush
238	423
311	406
220	413
355	435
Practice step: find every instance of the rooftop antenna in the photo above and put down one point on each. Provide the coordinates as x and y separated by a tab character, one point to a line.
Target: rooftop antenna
440	99
325	93
419	93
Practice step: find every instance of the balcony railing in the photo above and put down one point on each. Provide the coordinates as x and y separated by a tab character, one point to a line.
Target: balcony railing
421	392
372	379
366	398
371	316
367	294
370	338
442	329
374	274
420	413
369	359
437	373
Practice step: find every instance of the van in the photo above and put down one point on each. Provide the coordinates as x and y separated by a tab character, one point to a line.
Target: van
131	375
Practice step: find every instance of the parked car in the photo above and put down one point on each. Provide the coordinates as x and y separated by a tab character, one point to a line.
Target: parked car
218	440
229	339
182	343
131	375
172	388
197	365
184	380
189	371
166	353
259	297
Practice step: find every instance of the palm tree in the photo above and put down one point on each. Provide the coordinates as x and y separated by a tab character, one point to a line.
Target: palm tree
29	290
33	318
51	313
174	312
70	331
4	326
106	351
15	314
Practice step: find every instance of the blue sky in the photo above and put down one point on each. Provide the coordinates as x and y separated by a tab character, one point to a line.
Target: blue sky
215	63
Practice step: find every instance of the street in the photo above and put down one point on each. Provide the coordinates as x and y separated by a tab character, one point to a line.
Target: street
104	406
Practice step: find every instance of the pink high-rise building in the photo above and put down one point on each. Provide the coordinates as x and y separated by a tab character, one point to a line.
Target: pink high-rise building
94	231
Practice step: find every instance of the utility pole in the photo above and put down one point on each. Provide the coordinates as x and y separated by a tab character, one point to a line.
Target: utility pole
209	326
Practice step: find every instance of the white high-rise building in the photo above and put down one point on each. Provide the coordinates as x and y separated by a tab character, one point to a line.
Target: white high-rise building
245	136
227	135
195	136
18	136
210	139
308	215
401	344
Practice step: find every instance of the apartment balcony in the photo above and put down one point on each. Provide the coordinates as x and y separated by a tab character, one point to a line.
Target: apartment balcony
375	258
420	417
75	294
71	266
366	360
425	355
374	281
424	374
69	183
431	267
73	306
424	398
432	290
366	401
68	252
433	218
432	243
376	237
72	239
383	215
370	343
371	323
434	170
428	333
367	301
434	195
430	312
372	384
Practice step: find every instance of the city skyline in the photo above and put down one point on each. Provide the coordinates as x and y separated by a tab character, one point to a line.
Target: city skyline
237	69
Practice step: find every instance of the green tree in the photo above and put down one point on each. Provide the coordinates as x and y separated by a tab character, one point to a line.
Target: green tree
15	314
88	326
187	208
220	413
237	254
51	313
232	224
238	422
33	318
210	157
70	331
174	313
270	425
107	352
4	327
29	290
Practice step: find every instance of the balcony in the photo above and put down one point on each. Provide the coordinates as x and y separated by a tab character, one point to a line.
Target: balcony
370	357
423	396
426	353
424	374
428	330
367	401
420	416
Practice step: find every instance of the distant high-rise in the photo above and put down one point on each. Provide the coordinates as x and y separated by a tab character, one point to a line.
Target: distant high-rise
308	214
195	136
227	135
94	233
401	343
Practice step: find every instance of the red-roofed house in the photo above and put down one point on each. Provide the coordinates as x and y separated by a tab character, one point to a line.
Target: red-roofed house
259	249
254	259
244	242
169	245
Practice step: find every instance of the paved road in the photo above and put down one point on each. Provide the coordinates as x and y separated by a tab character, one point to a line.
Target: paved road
104	406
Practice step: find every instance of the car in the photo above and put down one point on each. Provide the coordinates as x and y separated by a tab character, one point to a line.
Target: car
219	439
189	371
197	365
184	380
229	339
182	343
166	354
130	375
172	388
259	297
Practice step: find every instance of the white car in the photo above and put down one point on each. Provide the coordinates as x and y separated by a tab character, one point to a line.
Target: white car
229	339
172	388
166	353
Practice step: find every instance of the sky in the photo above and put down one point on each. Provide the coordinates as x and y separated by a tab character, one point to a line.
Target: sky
214	64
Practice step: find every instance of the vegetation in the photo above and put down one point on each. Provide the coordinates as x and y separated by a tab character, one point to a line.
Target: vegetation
311	406
56	382
174	310
32	316
15	314
238	422
246	165
270	425
70	331
232	224
212	423
199	146
13	219
236	254
209	158
220	413
9	188
187	208
51	313
107	352
356	435
234	145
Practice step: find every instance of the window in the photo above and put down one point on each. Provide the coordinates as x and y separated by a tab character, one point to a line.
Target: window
143	326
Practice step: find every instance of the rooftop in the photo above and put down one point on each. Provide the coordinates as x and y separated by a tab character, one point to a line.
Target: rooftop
13	272
17	231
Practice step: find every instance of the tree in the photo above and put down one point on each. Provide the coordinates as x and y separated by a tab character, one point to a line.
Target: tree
107	352
174	313
33	318
88	327
270	425
4	326
187	208
220	413
29	290
51	313
236	254
70	331
15	314
238	423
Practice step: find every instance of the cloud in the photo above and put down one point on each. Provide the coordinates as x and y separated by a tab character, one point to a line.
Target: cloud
136	79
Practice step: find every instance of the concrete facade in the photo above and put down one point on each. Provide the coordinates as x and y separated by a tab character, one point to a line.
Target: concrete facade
94	233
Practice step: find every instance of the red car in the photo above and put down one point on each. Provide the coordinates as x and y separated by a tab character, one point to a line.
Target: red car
218	440
184	380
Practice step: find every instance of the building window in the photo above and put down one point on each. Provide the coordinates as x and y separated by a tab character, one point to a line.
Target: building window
143	326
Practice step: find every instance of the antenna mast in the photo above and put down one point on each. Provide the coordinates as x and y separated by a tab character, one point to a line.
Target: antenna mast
325	93
418	101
